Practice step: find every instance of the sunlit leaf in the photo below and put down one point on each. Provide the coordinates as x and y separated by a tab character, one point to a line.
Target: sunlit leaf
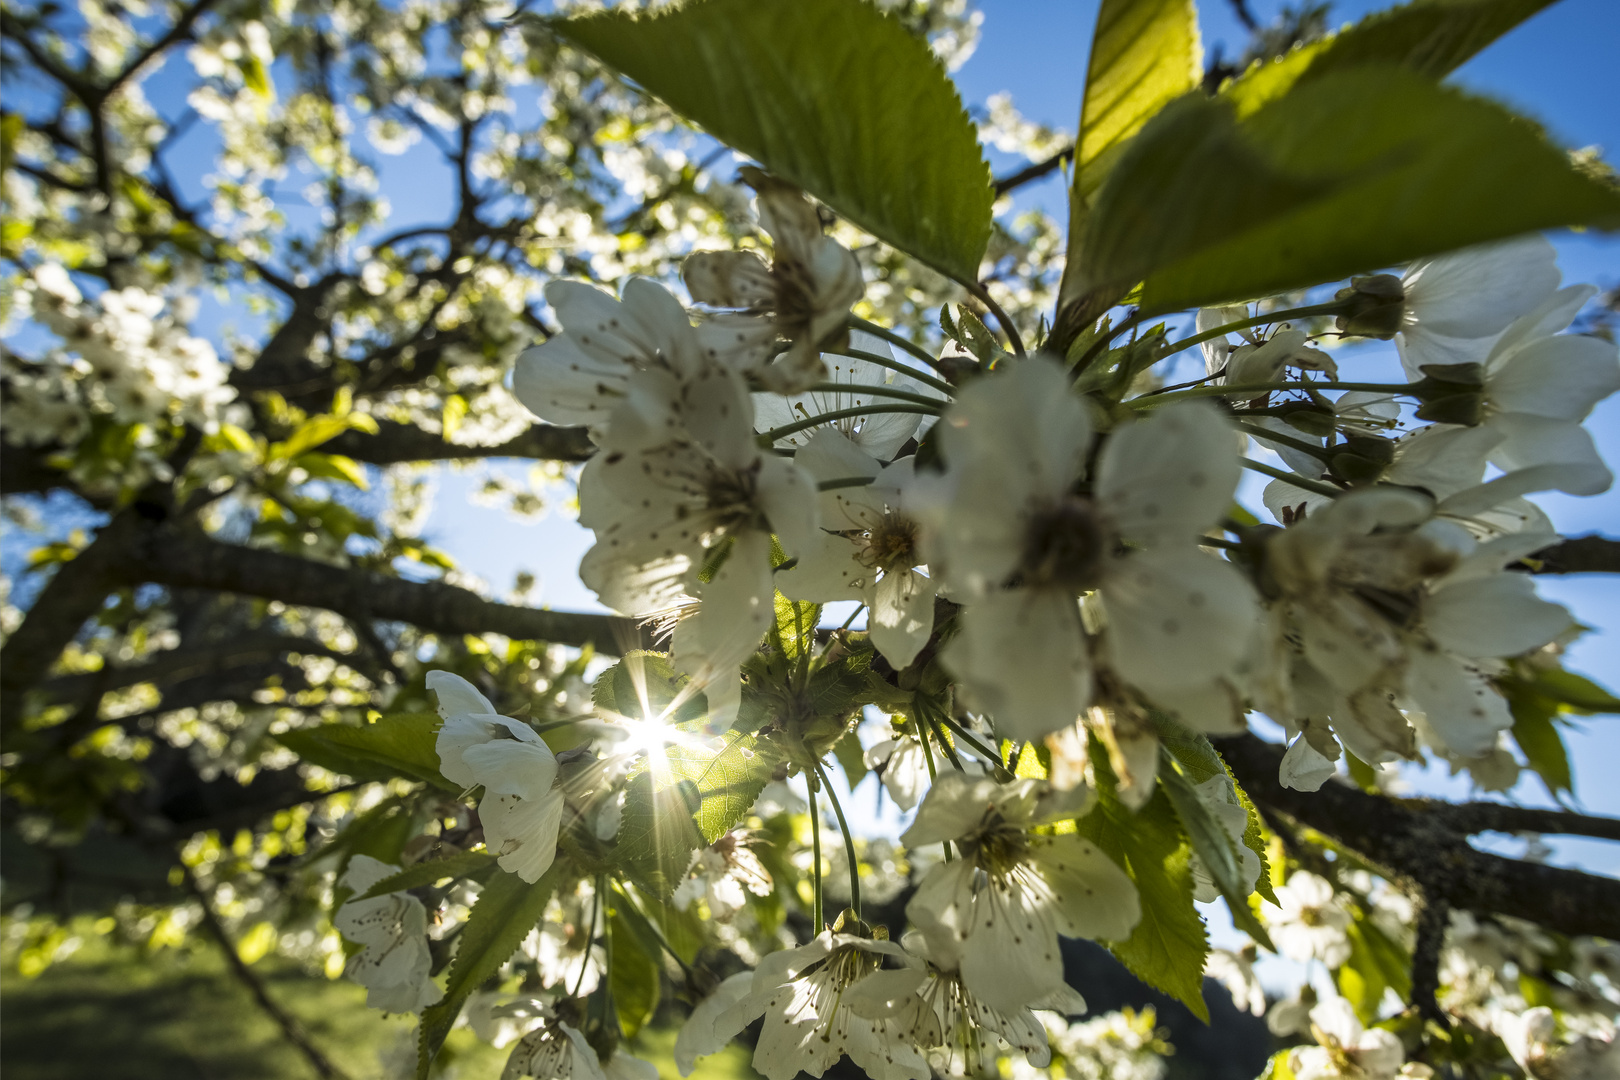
833	96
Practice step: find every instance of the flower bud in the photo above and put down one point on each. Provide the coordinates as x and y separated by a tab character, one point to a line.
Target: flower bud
1363	459
1373	306
1450	393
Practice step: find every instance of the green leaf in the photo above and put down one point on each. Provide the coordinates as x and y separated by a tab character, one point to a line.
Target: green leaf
505	912
645	685
398	745
851	756
334	467
1144	54
1168	947
690	797
1353	171
833	96
308	435
460	865
794	633
1538	738
1430	37
1214	845
635	974
1575	692
1254	838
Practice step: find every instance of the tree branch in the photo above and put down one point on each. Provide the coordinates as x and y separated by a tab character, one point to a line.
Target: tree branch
1424	848
1030	173
190	560
1580	555
405	442
178	32
289	1025
1477	817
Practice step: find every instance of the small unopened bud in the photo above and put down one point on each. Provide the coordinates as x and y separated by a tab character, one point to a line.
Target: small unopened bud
1362	459
1373	306
1451	393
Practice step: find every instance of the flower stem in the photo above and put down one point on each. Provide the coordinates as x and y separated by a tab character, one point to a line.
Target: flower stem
769	437
636	917
1315	486
845	482
1149	401
875	391
849	842
597	903
894	339
1332	307
1316	450
894	365
816	921
978	747
928	757
852	615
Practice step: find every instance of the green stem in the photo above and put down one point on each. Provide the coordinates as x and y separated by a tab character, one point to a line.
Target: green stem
876	391
1316	450
895	365
849	842
816	921
769	437
1150	401
928	757
1007	327
597	903
1332	307
845	482
852	616
978	747
894	339
1300	482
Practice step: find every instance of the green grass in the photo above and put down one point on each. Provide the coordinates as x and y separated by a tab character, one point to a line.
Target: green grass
116	1013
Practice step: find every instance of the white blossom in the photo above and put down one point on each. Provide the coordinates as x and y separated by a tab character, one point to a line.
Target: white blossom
1309	923
521	810
395	965
995	913
1347	1051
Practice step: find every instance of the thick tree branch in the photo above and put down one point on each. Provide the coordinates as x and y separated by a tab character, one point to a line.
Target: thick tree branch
180	31
193	561
1581	555
405	442
1477	817
1411	842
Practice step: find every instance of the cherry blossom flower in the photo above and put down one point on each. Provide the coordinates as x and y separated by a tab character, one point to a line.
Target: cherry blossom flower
995	913
1347	1051
394	964
1008	535
1309	923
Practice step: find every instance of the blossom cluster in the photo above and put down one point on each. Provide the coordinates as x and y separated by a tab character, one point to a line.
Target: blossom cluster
1052	561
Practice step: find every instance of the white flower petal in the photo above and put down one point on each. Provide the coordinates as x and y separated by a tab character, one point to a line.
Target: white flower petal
1497	616
900	615
1020	653
523	832
1559	377
1169	477
456	695
1177	618
1093	897
1459	704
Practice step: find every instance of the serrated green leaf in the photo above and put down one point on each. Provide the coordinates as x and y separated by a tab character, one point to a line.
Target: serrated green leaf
1430	37
1357	170
460	865
399	745
1254	838
833	96
645	685
635	976
1144	54
794	632
1169	946
503	915
1214	845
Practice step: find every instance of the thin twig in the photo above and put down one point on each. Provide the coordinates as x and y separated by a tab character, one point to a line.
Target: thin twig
290	1027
